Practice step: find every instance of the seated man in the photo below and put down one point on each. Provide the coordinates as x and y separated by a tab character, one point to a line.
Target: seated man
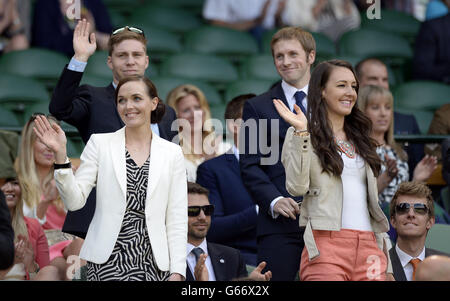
209	261
235	214
412	216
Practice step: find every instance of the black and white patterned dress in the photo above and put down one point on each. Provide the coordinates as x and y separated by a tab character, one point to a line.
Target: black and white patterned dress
132	257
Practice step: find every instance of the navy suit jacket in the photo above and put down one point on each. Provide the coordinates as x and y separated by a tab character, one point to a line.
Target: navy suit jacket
399	273
432	50
6	235
265	182
227	263
91	110
234	220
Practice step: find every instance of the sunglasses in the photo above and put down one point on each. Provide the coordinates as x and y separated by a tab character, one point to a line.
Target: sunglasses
129	28
195	210
419	208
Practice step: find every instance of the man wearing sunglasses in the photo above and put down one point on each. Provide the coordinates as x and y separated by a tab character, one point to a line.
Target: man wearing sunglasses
93	109
412	216
209	261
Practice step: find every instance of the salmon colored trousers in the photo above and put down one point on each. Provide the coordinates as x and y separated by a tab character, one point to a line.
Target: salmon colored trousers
345	255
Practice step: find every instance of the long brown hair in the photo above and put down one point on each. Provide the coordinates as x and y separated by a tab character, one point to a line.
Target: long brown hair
357	126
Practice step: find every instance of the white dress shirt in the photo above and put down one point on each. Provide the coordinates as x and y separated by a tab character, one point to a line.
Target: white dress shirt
191	260
405	261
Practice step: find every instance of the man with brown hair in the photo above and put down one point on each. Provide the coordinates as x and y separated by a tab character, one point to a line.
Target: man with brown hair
279	238
93	109
412	215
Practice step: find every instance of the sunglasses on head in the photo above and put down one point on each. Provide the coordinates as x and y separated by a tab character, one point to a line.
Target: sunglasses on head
195	210
48	116
419	208
129	28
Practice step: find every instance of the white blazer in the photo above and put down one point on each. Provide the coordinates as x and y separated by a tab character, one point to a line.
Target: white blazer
103	165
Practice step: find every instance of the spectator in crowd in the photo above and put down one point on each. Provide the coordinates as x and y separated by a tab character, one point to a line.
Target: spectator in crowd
279	239
6	235
14	25
41	198
92	109
434	268
234	220
141	178
410	7
377	103
54	22
31	248
431	52
197	135
372	71
446	161
330	159
332	18
254	16
412	216
208	261
440	125
436	9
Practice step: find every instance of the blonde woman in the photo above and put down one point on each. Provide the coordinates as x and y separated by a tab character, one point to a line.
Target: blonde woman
40	197
378	103
196	132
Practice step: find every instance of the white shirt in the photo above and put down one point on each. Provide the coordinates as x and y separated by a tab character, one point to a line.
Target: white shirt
355	213
289	92
234	11
405	261
191	260
76	65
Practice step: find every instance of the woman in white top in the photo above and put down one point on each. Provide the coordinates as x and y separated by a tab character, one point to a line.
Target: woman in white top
139	229
330	159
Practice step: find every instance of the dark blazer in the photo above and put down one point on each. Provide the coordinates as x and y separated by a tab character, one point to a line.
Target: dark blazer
227	263
399	273
406	124
446	160
432	50
91	110
234	220
6	235
265	182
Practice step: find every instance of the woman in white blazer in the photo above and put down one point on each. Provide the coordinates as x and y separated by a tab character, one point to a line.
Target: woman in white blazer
139	229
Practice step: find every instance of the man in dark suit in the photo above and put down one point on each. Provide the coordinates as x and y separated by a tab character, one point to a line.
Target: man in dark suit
432	50
6	235
279	238
234	220
209	261
372	71
412	216
93	109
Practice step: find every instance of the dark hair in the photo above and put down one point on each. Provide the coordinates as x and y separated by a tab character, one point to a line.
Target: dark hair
357	126
234	107
360	64
158	113
195	188
416	189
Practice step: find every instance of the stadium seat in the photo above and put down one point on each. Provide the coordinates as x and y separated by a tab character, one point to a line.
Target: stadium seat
421	95
160	42
212	69
165	84
233	44
423	117
124	7
17	92
259	67
172	19
97	67
194	6
438	238
445	199
325	48
247	86
41	64
371	43
9	119
393	21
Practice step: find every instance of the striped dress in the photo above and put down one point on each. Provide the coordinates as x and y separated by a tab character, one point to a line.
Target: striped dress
132	257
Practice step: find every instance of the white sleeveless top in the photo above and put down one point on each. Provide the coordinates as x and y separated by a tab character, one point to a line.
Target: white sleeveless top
355	214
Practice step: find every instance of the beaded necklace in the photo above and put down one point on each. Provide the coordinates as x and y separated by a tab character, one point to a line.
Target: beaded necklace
346	147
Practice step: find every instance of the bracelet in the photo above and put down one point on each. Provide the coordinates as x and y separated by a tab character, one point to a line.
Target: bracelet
60	166
301	133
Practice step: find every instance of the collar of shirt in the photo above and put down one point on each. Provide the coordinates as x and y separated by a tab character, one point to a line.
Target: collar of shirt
289	92
191	259
405	258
